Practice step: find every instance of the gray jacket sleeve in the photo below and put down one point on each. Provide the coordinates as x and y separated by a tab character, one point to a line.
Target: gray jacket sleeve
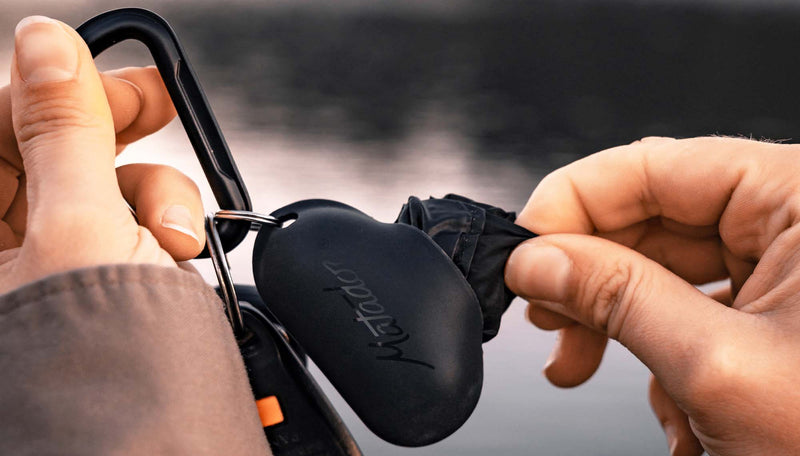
122	360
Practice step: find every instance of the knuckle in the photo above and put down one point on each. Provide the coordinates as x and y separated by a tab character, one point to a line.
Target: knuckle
149	250
612	296
161	175
718	375
46	118
146	244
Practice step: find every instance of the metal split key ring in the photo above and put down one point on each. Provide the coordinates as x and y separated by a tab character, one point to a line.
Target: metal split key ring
220	260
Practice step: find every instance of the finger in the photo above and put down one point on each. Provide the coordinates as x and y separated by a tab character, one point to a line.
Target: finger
696	182
739	270
9	184
168	204
774	279
132	94
545	319
722	296
8	140
576	356
693	253
680	438
64	130
619	292
155	111
17	214
8	239
125	100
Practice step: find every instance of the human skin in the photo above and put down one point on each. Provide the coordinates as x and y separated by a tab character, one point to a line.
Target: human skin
63	203
627	233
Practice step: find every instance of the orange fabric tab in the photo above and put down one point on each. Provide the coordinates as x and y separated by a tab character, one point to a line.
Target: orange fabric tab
269	409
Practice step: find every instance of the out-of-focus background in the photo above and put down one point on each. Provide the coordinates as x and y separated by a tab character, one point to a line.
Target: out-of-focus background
370	101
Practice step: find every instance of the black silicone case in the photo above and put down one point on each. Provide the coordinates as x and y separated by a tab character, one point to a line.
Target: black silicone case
383	312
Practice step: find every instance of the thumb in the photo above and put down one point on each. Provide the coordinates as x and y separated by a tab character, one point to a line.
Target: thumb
659	317
63	123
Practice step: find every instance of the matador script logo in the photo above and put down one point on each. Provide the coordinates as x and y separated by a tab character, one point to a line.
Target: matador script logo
388	334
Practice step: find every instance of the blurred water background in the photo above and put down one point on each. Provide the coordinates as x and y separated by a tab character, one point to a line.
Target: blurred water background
368	102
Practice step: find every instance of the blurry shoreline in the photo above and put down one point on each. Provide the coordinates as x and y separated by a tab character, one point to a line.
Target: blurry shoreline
554	80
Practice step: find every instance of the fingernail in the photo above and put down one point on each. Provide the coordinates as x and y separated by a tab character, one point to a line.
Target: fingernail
672	437
529	313
117	75
539	271
136	89
550	360
553	354
45	51
124	118
179	218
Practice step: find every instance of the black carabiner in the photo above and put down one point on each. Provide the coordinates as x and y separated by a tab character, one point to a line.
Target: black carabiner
112	27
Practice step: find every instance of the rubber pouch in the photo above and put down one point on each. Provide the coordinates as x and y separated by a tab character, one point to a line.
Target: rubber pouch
383	312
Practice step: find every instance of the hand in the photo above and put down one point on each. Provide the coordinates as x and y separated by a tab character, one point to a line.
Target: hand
63	205
625	234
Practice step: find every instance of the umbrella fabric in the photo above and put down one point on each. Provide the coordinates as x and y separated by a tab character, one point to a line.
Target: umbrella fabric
478	238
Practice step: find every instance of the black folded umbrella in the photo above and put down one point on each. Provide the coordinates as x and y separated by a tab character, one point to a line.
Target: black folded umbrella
478	238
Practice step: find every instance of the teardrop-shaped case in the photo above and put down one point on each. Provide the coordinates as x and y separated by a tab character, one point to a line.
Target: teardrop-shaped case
383	312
